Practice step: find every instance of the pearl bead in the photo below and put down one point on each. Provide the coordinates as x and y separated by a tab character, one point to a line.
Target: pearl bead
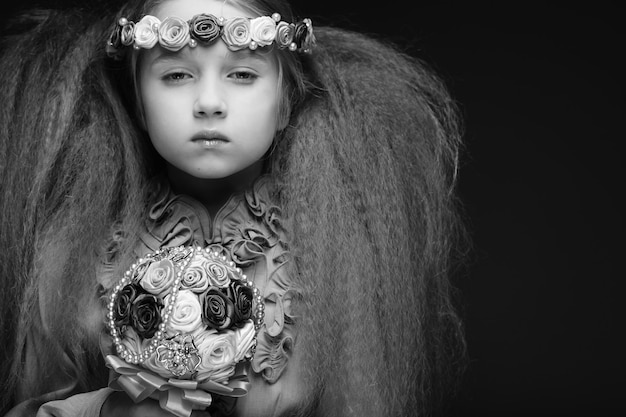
276	17
122	21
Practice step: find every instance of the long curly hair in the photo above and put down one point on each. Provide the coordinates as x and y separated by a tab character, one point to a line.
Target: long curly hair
365	172
369	171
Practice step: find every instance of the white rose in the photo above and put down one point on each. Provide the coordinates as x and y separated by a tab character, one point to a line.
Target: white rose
244	339
159	277
186	315
132	342
146	32
263	30
236	33
153	364
174	33
217	351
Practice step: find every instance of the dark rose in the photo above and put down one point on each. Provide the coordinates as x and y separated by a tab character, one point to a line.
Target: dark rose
115	40
303	35
127	34
204	28
218	309
145	315
241	295
123	302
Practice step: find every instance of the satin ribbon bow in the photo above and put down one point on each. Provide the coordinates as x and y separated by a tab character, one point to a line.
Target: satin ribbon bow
177	396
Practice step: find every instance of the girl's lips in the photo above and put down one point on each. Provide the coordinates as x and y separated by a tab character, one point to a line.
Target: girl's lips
210	136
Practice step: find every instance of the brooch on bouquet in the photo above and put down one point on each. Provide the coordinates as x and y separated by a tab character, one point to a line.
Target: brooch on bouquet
183	321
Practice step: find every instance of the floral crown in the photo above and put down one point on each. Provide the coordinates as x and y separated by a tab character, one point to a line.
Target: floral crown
173	33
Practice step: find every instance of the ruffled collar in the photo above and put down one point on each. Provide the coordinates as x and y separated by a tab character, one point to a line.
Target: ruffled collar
178	219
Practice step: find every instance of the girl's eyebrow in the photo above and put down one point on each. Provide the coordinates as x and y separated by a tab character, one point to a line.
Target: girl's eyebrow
246	54
164	55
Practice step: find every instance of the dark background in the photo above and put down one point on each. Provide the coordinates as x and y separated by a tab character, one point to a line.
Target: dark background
543	98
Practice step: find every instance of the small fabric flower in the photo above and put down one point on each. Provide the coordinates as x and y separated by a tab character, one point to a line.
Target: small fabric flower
132	342
244	340
205	28
236	33
218	354
195	277
145	315
284	34
115	40
218	309
303	37
217	273
241	295
127	34
263	30
158	277
123	303
146	32
186	315
176	356
173	33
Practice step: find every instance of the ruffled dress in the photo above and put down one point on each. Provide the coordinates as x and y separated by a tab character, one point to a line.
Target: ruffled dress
248	230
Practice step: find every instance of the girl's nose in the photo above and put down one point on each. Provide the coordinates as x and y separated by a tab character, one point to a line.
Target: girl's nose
209	101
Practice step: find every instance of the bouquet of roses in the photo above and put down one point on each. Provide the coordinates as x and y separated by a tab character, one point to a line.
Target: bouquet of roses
183	321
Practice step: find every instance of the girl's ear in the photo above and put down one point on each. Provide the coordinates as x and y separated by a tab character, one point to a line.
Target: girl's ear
284	114
283	120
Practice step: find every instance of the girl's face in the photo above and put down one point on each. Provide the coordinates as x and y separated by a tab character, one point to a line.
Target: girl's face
209	112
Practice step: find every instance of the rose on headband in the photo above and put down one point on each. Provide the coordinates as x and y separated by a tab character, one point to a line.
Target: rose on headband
158	277
218	309
263	30
145	315
173	33
284	34
236	33
205	28
303	36
146	32
127	34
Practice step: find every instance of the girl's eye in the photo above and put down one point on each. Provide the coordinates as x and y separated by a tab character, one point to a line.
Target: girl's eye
176	77
243	76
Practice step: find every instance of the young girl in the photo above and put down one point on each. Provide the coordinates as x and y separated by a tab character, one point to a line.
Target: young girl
327	172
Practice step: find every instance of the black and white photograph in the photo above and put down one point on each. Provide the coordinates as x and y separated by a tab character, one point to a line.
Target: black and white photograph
282	208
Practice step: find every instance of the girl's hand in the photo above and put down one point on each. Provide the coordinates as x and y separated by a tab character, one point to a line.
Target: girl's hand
118	404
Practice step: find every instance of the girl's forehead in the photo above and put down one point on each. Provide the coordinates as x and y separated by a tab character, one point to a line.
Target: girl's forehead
186	9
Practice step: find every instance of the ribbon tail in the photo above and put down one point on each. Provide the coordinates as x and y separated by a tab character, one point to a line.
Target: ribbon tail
134	387
176	402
